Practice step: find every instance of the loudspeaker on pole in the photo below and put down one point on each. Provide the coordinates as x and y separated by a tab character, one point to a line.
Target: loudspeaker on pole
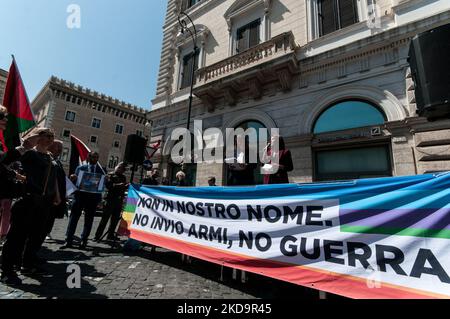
135	149
429	59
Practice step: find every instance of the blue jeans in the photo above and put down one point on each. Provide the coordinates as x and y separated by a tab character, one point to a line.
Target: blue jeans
87	202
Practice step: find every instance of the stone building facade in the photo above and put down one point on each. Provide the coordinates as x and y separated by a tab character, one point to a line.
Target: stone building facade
3	78
336	83
101	122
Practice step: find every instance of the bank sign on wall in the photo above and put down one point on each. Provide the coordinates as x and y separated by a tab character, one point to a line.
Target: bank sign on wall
371	238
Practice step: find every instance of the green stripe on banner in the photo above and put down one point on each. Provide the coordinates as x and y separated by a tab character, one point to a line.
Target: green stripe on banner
416	232
130	208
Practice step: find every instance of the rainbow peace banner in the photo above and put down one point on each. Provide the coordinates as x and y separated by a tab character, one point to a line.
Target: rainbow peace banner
368	238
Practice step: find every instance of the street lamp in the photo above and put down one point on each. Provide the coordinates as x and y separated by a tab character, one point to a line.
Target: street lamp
182	17
184	27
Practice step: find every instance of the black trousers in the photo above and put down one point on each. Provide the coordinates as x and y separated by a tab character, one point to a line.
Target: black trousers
87	202
29	217
112	210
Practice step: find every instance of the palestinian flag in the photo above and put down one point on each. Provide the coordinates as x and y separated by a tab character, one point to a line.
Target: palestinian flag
151	150
79	153
20	117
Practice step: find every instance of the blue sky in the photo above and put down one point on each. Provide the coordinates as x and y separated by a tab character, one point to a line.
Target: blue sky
116	50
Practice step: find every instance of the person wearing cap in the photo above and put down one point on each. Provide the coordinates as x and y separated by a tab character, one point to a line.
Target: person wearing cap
116	185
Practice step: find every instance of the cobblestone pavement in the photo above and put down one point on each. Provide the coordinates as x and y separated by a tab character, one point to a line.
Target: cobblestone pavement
107	273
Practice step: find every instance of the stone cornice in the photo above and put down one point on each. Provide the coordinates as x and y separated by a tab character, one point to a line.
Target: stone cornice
382	42
299	140
194	12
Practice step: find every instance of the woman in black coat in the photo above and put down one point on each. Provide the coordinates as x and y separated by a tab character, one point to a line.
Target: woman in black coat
284	164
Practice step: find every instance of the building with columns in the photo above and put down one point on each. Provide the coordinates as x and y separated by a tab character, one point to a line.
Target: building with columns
101	122
3	78
332	75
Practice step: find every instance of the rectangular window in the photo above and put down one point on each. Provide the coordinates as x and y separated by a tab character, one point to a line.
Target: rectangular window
352	163
248	36
65	154
186	69
93	139
116	144
119	129
96	123
66	133
336	14
140	133
70	116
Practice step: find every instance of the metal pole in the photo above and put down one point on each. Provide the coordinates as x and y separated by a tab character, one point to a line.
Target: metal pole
184	27
132	173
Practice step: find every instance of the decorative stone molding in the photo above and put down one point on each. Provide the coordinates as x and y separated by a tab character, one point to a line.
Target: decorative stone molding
230	95
248	72
285	79
249	115
185	38
242	6
255	88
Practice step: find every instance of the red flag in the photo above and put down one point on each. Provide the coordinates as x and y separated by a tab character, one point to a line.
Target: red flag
20	116
153	149
79	153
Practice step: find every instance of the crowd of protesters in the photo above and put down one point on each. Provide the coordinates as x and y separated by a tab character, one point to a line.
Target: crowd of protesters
33	194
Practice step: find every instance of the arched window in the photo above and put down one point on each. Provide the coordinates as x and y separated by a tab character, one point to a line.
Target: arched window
253	147
348	114
352	161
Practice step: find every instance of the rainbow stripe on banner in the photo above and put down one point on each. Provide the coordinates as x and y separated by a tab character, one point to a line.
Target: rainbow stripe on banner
368	238
128	212
416	206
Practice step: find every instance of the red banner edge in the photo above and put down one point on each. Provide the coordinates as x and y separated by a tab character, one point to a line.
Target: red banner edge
344	285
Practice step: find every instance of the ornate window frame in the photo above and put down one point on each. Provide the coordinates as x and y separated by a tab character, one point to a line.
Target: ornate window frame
184	47
242	12
312	11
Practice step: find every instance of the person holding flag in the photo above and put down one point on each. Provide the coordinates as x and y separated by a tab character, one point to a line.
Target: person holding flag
19	115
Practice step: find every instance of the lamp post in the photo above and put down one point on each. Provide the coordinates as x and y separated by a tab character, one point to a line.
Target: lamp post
185	27
182	17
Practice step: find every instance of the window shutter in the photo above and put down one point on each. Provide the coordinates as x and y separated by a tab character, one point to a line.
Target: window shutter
242	40
327	21
254	34
347	13
187	69
185	73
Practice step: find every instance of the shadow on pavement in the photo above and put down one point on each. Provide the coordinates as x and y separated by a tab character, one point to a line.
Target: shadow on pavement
53	283
258	286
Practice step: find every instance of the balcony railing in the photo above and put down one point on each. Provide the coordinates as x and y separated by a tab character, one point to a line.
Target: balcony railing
262	53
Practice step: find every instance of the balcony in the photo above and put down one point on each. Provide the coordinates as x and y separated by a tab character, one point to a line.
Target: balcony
248	72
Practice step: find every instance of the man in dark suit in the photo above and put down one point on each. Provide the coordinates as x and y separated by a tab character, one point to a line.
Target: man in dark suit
86	199
58	211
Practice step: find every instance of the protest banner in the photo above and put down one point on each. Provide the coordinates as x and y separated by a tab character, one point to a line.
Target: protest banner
368	238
